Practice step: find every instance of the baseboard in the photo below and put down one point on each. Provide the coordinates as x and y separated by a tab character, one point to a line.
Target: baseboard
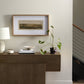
58	81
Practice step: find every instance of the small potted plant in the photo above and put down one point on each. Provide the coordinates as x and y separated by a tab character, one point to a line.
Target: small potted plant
52	43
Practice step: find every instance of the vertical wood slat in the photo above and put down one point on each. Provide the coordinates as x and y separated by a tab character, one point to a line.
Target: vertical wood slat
38	73
3	74
22	73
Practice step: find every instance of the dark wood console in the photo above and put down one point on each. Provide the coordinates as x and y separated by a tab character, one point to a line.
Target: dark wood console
27	68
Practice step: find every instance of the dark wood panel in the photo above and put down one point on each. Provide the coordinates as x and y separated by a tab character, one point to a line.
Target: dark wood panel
52	61
38	73
20	59
27	69
22	73
19	73
3	74
26	73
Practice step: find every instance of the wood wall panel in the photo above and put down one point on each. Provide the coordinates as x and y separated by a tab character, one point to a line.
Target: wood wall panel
3	74
22	73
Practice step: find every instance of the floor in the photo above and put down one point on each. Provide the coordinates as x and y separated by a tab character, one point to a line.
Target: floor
79	82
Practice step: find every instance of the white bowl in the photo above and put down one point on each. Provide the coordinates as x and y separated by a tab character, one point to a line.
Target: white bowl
10	51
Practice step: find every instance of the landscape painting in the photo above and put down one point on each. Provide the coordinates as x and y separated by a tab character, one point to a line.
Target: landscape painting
30	24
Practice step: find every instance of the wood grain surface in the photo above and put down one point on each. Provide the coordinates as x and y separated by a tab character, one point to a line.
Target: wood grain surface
27	69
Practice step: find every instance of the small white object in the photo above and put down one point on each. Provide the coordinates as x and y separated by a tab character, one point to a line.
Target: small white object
10	51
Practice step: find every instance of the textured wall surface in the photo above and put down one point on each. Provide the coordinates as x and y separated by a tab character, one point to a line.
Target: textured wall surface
60	12
78	13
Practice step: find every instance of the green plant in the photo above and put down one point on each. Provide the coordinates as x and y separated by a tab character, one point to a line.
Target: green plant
41	49
51	31
58	43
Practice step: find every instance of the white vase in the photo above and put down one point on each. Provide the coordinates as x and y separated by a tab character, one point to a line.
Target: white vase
2	46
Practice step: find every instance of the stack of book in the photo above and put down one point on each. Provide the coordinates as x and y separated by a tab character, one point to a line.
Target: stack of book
27	50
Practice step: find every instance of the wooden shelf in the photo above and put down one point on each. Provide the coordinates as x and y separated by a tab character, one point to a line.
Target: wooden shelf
52	61
25	68
37	53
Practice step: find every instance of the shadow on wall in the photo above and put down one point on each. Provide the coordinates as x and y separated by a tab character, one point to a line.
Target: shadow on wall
8	21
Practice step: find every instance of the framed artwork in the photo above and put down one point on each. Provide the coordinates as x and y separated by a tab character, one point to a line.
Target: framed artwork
32	25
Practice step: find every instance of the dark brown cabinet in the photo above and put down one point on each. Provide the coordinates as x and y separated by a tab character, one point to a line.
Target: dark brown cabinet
27	68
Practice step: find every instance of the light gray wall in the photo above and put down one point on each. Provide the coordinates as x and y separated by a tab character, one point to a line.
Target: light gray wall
60	12
78	13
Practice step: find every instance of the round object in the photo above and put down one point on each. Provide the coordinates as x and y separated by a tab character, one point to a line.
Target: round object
10	51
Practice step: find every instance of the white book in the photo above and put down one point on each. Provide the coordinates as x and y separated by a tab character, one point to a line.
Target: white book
26	51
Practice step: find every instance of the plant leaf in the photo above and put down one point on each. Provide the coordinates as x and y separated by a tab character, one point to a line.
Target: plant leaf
43	52
59	45
52	26
41	42
48	31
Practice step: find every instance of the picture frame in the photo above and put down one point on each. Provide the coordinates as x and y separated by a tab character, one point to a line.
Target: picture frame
30	25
